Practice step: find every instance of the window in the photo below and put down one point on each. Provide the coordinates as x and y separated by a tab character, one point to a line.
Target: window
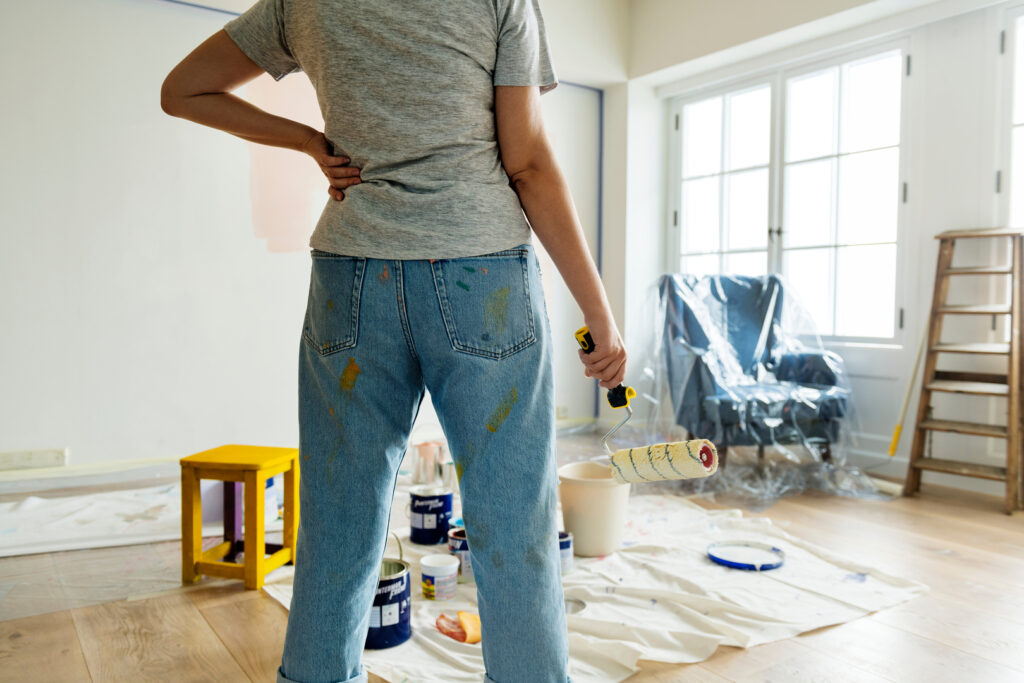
1017	127
725	188
830	188
840	194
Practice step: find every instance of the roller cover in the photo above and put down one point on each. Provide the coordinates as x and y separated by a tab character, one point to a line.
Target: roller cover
679	460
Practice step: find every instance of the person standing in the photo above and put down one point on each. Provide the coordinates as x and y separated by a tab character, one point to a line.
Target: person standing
423	277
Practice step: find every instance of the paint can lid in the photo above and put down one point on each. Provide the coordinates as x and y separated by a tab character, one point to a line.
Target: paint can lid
748	555
439	562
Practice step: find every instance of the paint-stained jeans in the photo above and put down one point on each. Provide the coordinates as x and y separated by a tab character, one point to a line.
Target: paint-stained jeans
474	331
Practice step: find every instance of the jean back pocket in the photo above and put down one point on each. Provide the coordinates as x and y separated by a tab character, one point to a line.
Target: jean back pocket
486	302
332	311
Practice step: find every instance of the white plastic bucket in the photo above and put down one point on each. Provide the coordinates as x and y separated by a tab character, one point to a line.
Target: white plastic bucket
593	507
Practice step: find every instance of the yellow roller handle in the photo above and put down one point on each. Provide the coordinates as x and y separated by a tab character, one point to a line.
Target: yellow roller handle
895	440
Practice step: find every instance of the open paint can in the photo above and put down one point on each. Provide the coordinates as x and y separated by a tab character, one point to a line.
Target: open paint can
390	615
430	508
458	545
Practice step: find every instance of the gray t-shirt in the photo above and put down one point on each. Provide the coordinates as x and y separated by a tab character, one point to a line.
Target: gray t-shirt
406	88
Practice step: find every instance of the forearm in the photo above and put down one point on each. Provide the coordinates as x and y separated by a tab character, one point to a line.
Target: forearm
234	115
547	202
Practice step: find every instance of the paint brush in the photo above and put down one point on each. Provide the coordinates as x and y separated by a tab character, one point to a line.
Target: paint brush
691	459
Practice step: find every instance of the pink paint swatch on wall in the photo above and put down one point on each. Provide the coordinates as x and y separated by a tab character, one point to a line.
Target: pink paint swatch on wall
287	189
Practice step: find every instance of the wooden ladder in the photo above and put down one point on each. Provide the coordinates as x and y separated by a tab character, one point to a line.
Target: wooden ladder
975	383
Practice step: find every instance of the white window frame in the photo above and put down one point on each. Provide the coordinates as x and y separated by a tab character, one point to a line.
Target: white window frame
676	161
1004	138
776	74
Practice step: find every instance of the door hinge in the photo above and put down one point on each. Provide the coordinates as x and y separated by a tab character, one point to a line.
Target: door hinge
901	318
999	181
908	65
1002	42
904	193
675	218
677	121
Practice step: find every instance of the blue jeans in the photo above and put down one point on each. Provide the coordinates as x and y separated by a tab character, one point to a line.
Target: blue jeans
474	331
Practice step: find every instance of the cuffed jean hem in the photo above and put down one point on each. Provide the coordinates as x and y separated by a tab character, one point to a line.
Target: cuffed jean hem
361	678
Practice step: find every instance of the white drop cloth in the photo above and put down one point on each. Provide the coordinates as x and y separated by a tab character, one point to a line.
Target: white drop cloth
97	520
659	598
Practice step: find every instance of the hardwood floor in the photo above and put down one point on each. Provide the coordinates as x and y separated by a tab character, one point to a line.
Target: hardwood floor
969	627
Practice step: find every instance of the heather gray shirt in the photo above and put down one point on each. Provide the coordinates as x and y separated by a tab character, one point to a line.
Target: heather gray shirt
406	88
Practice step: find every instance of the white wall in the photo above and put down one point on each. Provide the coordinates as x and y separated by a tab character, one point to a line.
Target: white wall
589	39
143	312
665	33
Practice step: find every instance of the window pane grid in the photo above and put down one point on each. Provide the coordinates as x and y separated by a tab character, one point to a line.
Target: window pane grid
831	188
840	205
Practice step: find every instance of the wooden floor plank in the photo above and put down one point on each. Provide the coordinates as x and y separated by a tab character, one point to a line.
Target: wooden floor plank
42	648
870	645
966	525
660	672
257	647
909	531
964	581
158	639
961	627
958	543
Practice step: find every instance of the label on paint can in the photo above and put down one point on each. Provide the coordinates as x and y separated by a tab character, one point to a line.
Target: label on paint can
430	508
565	550
439	587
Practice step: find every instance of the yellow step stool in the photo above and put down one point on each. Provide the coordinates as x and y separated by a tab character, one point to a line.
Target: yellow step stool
235	465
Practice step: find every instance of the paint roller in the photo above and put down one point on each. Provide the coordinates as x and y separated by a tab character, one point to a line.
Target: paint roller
661	462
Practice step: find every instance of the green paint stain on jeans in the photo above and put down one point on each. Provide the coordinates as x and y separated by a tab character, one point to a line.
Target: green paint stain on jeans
496	311
502	411
462	284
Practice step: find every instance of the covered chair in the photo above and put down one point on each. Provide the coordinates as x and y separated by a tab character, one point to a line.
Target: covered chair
735	375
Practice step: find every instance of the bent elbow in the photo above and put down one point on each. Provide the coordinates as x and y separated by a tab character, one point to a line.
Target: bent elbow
169	100
527	177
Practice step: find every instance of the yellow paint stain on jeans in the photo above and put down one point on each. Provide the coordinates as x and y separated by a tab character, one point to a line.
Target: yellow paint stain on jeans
503	409
496	310
347	381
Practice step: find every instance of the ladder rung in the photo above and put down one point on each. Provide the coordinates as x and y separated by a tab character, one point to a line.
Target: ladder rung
979	270
963	468
995	431
973	347
977	309
962	376
960	387
979	232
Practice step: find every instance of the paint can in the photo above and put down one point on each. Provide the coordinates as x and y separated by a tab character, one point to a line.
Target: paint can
390	615
458	545
430	508
565	550
439	574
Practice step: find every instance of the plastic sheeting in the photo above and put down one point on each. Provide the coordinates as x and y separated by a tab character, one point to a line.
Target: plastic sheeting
737	360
